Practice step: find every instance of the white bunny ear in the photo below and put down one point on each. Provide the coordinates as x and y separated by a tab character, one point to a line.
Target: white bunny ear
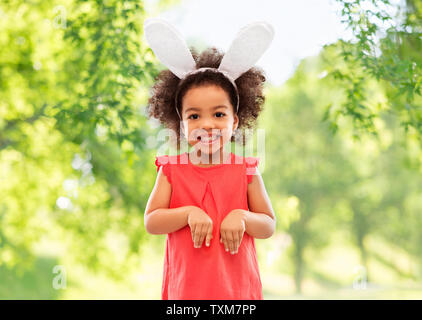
249	45
169	46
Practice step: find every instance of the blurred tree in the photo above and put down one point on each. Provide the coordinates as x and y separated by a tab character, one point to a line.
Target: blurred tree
387	46
74	164
28	179
322	183
304	164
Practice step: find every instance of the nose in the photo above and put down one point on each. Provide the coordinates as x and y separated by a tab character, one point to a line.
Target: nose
207	123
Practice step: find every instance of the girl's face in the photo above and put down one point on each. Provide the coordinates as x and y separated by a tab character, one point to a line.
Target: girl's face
208	118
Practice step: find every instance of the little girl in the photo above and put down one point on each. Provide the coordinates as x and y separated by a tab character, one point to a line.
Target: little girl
210	203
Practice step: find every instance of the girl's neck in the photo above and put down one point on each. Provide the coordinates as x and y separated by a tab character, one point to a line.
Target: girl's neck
209	160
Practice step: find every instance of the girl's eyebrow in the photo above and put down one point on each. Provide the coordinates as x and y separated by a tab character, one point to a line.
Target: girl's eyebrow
213	108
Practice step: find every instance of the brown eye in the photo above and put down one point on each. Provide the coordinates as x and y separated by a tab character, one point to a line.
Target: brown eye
222	114
192	116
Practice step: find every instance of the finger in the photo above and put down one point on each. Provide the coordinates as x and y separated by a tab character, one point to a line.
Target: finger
198	233
235	241
202	234
223	240
192	231
229	236
240	239
208	237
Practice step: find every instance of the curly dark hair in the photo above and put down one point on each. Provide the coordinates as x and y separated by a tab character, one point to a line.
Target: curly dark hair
161	104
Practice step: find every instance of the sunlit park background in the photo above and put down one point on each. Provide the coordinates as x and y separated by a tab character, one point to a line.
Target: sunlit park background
341	163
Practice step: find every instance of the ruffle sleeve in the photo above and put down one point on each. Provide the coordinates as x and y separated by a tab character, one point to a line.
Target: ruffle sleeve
251	165
164	162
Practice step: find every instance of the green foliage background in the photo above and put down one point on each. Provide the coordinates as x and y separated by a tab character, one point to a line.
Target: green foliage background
342	158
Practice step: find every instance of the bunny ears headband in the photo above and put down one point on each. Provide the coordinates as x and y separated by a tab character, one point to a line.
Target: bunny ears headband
245	50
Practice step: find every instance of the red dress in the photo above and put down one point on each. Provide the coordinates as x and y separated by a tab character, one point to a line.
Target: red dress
209	273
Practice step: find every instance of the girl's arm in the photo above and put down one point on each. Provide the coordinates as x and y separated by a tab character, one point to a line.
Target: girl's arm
158	218
260	219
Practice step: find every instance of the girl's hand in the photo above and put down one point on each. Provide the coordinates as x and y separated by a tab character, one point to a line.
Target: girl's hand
232	229
200	225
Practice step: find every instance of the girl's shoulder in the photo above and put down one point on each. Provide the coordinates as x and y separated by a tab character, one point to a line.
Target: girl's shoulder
170	159
161	161
165	161
250	162
251	167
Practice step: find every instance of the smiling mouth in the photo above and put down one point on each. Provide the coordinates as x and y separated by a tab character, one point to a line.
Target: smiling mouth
208	140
